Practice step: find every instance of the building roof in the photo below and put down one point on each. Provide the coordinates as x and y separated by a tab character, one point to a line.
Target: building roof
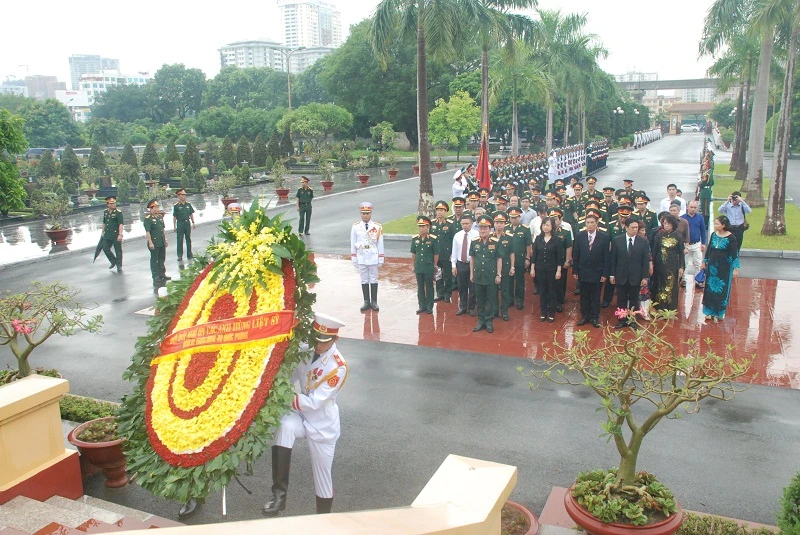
692	107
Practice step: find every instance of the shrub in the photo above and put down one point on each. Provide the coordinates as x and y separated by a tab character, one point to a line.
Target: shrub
714	525
80	409
789	516
104	431
7	376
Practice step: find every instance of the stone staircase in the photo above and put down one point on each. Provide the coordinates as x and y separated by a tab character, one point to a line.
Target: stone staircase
62	516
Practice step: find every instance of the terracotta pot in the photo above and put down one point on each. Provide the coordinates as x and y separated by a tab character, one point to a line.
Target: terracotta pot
392	173
624	146
438	165
105	455
363	178
58	236
228	200
533	522
593	526
327	185
282	193
415	167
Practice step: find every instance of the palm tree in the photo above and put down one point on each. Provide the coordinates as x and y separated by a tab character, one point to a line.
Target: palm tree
516	70
439	25
578	77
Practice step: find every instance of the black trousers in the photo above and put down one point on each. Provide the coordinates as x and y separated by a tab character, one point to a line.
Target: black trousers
561	285
738	231
590	300
628	297
466	289
547	284
608	291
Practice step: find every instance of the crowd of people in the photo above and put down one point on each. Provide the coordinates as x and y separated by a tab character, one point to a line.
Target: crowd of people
643	137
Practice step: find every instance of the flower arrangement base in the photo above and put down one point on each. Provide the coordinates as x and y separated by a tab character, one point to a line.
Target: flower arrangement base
439	165
58	236
327	185
363	178
512	526
229	200
282	193
392	173
593	526
105	455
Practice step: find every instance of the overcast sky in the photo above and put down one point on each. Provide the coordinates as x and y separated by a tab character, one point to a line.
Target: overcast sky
38	38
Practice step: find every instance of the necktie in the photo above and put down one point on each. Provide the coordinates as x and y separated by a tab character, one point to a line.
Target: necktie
316	356
464	248
630	245
591	241
366	225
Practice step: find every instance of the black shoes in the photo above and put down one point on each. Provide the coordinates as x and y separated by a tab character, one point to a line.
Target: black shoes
324	505
429	311
420	310
119	268
621	325
461	312
188	509
308	234
478	327
542	319
473	313
490	328
595	324
113	265
559	308
519	307
281	461
551	320
365	292
583	322
577	291
604	304
438	298
505	316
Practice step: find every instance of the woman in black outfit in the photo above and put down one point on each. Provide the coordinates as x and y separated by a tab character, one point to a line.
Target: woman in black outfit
548	257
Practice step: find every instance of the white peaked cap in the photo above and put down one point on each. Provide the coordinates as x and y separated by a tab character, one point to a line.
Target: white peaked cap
326	327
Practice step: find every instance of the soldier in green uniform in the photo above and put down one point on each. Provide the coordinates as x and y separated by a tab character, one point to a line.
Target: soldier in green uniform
112	233
522	243
648	217
609	204
506	251
182	215
156	242
485	266
566	236
617	227
459	204
444	230
304	196
425	258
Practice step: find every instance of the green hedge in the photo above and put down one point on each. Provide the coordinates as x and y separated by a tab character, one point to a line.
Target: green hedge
714	525
80	409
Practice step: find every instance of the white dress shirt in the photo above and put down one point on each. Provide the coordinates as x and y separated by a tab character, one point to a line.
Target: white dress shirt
458	241
666	201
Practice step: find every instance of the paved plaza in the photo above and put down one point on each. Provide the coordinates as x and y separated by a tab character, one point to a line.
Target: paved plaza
422	387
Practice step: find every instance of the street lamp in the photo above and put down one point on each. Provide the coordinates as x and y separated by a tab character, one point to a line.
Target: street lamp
288	55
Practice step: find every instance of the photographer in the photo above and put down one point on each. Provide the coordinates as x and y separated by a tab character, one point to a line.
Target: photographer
736	210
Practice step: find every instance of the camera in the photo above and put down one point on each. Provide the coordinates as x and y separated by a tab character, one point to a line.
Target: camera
735	197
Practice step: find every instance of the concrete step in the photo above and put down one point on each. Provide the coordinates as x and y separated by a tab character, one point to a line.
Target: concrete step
96	513
97	526
126	512
54	528
30	516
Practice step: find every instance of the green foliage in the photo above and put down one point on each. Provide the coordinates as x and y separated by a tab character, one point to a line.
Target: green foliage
789	515
722	113
12	191
279	174
55	209
383	132
315	122
191	156
13	103
287	147
123	191
227	153
243	152
12	136
47	165
70	170
694	524
49	124
727	134
179	89
97	160
245	173
259	152
129	156
172	153
225	184
125	103
101	431
168	133
216	121
141	191
104	132
179	483
150	155
469	81
8	376
12	142
274	146
199	182
452	123
81	409
254	87
642	501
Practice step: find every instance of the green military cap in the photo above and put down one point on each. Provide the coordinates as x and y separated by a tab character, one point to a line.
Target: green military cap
609	189
625	199
500	216
591	180
624	209
596	195
642	199
627	181
443	205
555	212
304	179
592	211
483	192
111	198
591	204
501	199
561	189
423	220
485	221
514	211
458	201
180	191
151	202
536	189
577	185
473	196
466	215
559	182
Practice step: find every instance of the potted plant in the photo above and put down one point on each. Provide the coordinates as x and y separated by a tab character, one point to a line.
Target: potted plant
624	369
98	442
360	164
326	171
29	318
415	167
91	177
439	163
391	159
223	186
55	208
516	519
727	135
279	178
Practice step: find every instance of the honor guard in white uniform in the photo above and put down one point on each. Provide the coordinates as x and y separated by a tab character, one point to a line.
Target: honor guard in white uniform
314	416
366	251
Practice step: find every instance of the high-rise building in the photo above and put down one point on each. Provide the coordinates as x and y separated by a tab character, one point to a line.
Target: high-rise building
310	23
635	76
43	87
80	64
14	87
93	84
253	53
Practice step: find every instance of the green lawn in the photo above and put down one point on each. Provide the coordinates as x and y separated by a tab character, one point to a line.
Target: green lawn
414	154
404	225
754	240
725	183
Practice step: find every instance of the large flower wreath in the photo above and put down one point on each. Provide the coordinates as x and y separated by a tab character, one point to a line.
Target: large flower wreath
212	376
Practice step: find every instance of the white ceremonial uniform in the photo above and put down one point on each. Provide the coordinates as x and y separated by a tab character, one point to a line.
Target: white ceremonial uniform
315	414
366	249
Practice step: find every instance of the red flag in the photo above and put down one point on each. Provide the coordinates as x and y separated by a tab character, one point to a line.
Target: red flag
482	172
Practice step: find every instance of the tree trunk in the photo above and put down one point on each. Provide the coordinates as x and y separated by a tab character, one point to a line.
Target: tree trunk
775	221
425	205
738	130
549	133
758	125
566	124
514	122
485	87
741	171
23	367
627	463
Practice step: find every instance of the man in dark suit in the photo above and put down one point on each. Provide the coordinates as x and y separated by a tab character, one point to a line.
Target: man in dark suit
630	267
591	258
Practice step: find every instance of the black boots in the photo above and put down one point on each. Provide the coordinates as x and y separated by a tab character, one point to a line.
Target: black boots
324	505
365	291
189	508
281	461
373	288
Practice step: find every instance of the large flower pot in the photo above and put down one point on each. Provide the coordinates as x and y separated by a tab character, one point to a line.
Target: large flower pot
392	173
533	522
105	455
593	526
228	200
415	167
282	193
90	192
327	185
438	165
58	236
363	178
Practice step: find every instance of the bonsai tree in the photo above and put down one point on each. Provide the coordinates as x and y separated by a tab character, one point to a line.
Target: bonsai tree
224	184
29	318
279	175
54	208
391	158
360	164
326	171
91	177
624	370
154	172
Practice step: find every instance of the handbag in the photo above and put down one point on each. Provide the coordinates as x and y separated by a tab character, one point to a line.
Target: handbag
745	225
700	278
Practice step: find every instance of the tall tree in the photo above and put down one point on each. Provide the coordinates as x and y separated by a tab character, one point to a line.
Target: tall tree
315	122
179	89
12	142
274	147
439	26
104	132
243	152
227	153
97	159
129	157
150	155
191	156
172	153
287	146
259	152
47	165
50	124
453	122
124	103
70	170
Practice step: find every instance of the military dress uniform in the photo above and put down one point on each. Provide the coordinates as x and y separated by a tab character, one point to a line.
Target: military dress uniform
444	231
425	251
112	219
366	252
522	242
304	197
154	225
182	212
483	258
505	251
